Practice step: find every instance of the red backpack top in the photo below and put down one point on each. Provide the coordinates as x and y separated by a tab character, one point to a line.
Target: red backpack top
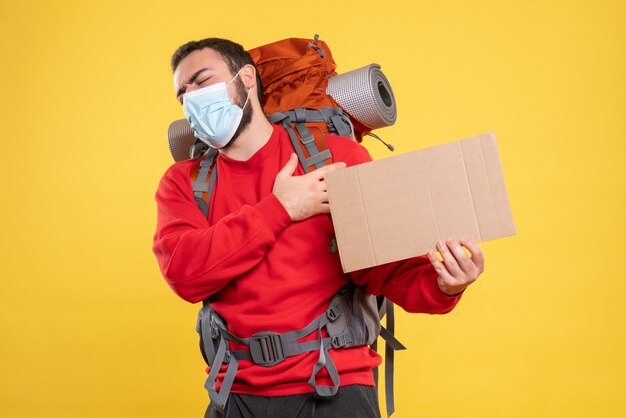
295	73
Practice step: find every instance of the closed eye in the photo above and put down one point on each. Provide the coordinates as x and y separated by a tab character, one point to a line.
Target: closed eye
201	82
192	80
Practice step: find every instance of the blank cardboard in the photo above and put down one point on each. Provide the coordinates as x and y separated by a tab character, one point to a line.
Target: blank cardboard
398	207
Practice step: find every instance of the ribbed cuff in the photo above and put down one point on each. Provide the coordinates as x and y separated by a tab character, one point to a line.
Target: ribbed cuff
436	295
273	213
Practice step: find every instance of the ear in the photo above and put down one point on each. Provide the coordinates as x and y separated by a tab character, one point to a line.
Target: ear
248	76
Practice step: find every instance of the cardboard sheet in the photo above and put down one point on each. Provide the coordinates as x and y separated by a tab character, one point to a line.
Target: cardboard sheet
398	207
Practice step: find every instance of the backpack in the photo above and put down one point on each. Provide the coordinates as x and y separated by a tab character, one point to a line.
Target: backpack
294	74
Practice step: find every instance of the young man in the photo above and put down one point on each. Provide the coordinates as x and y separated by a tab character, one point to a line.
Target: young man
262	255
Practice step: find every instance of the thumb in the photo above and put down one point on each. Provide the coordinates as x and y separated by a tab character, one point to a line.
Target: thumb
290	167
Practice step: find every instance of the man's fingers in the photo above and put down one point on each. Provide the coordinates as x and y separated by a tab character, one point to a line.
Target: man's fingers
448	259
462	259
477	254
457	270
440	268
290	166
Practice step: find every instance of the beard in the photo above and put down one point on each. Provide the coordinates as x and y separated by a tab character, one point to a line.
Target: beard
246	118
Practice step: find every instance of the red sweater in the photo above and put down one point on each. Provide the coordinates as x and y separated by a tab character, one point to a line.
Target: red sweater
269	273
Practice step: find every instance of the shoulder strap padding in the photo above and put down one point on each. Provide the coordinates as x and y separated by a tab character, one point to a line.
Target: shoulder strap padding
203	178
306	129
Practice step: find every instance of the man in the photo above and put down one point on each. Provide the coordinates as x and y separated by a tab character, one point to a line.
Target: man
262	255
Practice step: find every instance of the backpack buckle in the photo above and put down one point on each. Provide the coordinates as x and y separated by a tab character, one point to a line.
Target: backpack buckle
340	340
307	139
266	349
334	312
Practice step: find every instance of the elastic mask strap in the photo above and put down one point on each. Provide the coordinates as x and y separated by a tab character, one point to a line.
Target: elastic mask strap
234	77
247	99
249	90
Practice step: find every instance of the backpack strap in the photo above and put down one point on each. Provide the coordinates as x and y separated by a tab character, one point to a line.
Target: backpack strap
305	128
264	348
203	178
338	121
306	131
310	145
391	345
269	348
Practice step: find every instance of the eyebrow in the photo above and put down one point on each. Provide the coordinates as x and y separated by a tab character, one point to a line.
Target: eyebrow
191	80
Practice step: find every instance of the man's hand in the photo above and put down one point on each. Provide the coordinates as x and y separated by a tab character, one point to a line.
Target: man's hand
458	270
303	196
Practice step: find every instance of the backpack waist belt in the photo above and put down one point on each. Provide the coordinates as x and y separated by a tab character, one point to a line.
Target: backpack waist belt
270	348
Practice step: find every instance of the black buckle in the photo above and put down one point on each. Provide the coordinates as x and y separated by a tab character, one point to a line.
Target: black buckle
340	340
266	349
334	312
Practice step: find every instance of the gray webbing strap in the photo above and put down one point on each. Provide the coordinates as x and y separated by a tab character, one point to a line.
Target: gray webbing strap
312	115
324	360
232	337
305	137
288	341
291	350
309	142
342	127
392	344
331	116
374	346
201	185
276	117
309	115
318	159
206	333
294	141
197	149
319	50
219	399
285	118
390	340
389	354
338	121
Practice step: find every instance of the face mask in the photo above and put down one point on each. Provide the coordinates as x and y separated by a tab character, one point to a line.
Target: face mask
211	115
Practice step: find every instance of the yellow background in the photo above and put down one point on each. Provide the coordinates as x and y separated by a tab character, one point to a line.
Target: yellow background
90	329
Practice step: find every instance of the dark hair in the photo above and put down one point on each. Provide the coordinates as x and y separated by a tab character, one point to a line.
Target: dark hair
233	54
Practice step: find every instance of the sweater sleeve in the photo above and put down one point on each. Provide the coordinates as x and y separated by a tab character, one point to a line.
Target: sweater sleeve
412	283
198	259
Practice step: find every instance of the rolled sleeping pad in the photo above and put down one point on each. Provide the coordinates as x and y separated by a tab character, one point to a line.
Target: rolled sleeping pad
180	139
365	93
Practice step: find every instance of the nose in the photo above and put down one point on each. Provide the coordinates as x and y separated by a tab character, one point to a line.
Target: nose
186	88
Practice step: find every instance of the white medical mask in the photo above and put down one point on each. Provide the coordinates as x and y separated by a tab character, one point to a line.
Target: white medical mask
213	118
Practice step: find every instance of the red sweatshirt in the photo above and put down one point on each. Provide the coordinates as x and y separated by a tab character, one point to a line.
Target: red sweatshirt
269	273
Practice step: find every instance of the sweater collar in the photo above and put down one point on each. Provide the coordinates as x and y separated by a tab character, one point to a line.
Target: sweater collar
255	162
